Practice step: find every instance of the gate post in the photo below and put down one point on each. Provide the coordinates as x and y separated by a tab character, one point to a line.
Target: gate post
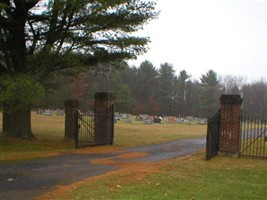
71	119
104	118
230	124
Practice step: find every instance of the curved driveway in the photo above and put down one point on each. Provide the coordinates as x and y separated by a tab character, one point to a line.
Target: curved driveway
32	178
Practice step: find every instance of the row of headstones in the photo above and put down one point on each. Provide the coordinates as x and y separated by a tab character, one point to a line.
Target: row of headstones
49	112
147	119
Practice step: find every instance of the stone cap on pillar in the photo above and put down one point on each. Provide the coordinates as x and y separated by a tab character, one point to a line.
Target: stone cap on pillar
71	104
231	99
105	96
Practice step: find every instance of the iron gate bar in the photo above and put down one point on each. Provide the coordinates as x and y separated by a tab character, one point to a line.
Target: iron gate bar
212	142
85	122
95	128
253	132
88	127
250	136
85	130
250	143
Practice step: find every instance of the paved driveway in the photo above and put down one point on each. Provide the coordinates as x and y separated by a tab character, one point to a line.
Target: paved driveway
32	178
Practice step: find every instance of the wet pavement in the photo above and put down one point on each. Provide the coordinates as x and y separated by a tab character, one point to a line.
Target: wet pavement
32	178
169	150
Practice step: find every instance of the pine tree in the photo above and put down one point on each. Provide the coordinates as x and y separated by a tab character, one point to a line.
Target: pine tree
44	38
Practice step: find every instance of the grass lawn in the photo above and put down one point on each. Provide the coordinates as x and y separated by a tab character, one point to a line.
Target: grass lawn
49	131
138	134
189	177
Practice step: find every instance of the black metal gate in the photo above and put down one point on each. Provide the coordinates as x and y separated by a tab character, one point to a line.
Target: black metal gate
95	128
253	137
86	129
212	143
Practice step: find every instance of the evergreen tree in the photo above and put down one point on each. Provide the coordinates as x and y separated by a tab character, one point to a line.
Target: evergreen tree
166	89
43	38
124	99
209	94
192	98
146	83
182	94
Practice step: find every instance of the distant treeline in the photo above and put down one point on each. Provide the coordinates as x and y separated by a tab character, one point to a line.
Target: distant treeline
148	90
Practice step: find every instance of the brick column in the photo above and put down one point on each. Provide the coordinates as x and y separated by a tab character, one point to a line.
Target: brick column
104	118
71	119
230	124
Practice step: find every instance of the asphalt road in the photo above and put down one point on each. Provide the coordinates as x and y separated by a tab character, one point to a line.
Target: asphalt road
33	178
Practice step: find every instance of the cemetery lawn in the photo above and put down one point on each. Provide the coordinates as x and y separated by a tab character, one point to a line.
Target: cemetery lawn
189	177
49	133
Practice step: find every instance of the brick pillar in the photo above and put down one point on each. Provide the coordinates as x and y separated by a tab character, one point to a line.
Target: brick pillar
230	124
104	118
71	119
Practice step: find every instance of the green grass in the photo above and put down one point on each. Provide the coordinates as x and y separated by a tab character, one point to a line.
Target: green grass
185	178
138	133
188	178
49	131
15	149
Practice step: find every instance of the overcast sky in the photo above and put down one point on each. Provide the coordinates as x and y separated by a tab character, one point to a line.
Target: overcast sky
227	36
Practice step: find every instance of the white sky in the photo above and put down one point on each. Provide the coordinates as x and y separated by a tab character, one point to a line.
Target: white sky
227	36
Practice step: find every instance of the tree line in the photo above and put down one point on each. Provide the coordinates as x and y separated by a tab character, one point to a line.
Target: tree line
44	44
148	90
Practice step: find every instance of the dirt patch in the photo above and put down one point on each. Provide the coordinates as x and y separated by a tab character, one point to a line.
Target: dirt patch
47	154
131	172
99	149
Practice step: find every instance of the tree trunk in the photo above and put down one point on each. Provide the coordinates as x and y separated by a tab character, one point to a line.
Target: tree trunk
18	124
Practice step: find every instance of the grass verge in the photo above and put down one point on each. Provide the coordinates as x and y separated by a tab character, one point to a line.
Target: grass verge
190	177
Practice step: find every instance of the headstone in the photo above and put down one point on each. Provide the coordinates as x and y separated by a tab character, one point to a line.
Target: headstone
171	119
157	120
